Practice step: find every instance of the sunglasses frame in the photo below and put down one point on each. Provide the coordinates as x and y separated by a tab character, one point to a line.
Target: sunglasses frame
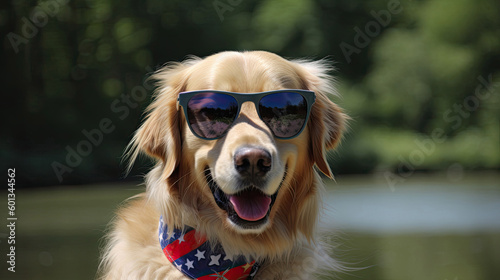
185	97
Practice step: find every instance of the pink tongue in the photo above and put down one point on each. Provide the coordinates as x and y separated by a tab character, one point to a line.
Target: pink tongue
250	205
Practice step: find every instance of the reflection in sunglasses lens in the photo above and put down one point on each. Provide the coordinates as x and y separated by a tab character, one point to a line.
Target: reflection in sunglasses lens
210	114
284	113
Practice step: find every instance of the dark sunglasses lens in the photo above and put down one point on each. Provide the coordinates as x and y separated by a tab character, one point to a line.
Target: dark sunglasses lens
285	113
210	114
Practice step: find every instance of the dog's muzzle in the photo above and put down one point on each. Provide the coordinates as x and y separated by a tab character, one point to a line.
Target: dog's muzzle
249	207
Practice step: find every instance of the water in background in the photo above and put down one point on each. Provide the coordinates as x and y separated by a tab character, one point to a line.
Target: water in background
429	227
414	207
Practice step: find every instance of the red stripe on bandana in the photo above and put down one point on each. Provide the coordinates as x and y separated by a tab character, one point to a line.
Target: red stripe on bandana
180	247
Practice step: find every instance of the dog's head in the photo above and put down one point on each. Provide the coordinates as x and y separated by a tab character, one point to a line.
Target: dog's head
248	183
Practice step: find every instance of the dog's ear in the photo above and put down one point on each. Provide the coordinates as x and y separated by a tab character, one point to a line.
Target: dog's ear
160	134
327	121
326	128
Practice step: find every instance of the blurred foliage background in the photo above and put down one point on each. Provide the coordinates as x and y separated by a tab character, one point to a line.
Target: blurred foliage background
419	78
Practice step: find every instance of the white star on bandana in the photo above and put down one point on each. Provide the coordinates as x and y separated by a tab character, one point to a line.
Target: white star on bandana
214	260
189	264
200	254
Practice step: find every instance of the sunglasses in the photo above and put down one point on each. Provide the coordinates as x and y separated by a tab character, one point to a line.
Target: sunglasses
210	113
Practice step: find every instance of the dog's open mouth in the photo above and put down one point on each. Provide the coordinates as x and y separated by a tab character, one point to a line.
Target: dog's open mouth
248	209
250	204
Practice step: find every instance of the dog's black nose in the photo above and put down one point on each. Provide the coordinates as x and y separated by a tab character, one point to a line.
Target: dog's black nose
252	162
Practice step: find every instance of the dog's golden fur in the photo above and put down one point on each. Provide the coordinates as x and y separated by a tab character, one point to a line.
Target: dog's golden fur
177	186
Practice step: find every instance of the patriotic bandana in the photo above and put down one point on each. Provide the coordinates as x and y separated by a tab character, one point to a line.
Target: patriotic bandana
195	257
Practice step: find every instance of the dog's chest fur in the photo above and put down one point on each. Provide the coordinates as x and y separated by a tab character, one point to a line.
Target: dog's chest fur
134	251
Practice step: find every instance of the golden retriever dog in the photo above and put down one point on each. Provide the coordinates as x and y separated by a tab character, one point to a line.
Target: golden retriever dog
234	194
